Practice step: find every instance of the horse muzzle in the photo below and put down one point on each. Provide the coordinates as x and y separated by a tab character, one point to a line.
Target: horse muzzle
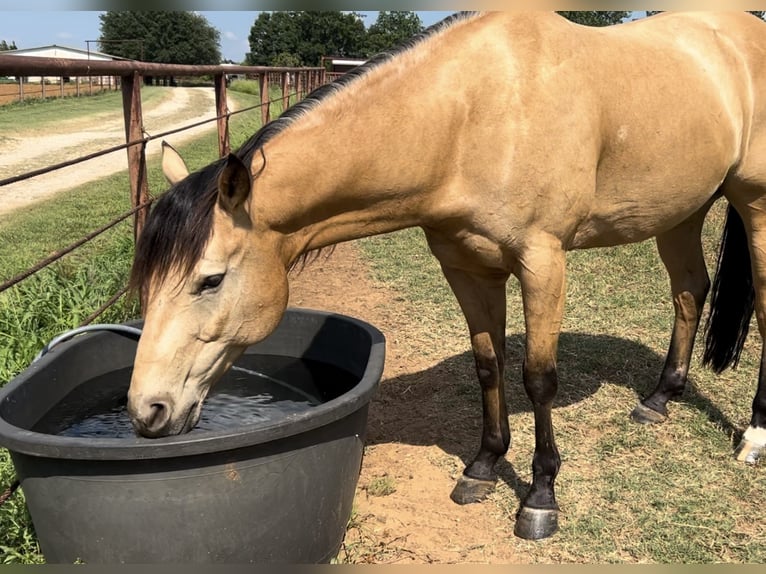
154	417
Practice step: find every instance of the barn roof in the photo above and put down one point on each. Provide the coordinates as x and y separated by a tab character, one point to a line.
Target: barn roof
56	51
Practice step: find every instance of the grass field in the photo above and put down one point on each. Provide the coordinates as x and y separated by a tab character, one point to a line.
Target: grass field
31	115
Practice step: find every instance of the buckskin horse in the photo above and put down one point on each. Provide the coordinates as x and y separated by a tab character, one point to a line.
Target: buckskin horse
510	139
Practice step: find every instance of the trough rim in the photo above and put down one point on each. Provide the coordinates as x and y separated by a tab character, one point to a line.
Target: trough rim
24	441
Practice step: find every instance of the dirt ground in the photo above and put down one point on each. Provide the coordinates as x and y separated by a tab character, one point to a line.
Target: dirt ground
412	450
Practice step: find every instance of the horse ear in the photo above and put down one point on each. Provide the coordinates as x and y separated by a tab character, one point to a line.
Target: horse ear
173	166
233	184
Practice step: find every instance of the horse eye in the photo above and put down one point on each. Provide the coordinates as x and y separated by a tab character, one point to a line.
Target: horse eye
211	282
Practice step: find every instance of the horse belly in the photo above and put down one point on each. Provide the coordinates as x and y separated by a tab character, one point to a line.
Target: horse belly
649	178
633	217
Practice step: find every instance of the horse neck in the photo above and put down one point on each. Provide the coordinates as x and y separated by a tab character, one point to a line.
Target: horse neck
346	171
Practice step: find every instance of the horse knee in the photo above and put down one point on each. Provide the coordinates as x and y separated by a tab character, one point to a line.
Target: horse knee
540	383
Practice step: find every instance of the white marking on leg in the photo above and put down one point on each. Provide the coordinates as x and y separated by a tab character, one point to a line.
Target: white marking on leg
756	435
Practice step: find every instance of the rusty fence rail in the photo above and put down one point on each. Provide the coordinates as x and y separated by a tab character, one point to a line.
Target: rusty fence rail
295	82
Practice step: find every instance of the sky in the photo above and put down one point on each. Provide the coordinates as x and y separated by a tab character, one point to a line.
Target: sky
30	29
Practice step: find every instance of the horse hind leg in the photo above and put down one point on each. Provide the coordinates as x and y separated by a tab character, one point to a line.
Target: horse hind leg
745	233
681	252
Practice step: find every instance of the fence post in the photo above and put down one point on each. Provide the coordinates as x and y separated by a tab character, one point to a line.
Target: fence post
298	84
139	184
285	91
263	83
221	110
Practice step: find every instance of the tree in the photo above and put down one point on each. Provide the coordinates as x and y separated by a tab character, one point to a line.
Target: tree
273	35
5	46
595	17
286	60
328	33
164	37
306	35
390	30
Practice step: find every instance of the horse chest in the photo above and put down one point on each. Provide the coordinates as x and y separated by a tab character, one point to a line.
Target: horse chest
469	251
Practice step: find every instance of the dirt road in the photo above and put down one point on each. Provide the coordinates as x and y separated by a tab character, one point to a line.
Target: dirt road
24	151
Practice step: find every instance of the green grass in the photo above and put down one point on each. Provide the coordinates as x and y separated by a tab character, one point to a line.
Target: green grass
52	224
669	493
381	486
61	296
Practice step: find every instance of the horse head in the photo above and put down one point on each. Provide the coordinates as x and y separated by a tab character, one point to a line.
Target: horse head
210	286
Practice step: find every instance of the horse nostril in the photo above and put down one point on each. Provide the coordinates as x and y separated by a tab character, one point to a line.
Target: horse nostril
154	420
158	415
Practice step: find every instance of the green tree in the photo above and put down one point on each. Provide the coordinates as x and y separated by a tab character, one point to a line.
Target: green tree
286	60
273	35
391	29
330	33
5	46
164	37
307	35
595	17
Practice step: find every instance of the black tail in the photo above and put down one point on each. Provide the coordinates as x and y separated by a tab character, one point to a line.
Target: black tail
732	302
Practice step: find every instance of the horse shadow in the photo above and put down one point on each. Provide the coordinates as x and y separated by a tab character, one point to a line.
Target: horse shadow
404	411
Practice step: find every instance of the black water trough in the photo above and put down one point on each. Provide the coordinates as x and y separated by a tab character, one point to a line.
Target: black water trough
279	490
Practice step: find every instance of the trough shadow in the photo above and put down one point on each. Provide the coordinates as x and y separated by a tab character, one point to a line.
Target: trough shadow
421	408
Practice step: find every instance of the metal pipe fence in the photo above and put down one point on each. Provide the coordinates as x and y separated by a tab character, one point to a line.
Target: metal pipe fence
294	82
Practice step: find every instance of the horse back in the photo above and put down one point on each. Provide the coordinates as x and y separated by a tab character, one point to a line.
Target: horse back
614	135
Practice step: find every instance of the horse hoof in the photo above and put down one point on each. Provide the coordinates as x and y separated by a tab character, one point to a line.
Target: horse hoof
646	416
468	490
536	523
749	452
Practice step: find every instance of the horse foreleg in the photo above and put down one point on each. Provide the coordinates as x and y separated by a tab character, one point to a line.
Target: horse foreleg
482	300
681	252
541	275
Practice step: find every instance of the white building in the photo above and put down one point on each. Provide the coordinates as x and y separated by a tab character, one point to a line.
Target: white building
54	51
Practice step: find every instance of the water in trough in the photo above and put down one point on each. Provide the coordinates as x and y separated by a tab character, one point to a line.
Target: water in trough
259	389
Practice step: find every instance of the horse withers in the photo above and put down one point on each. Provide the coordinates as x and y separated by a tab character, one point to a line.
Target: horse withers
510	139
